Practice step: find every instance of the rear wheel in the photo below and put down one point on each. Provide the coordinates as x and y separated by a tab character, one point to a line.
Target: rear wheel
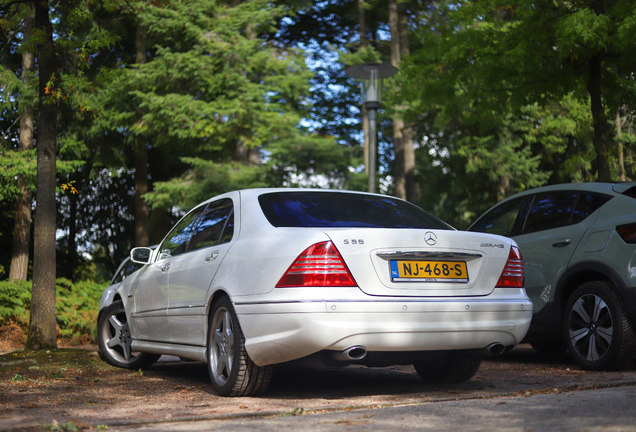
597	329
115	340
447	371
231	370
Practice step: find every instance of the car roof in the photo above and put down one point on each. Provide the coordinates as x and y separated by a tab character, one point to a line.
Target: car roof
250	193
607	188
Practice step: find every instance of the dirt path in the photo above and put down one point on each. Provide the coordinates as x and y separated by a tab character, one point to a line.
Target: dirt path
75	385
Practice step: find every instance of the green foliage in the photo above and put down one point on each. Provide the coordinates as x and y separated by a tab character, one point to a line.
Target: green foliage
204	180
15	302
479	65
69	426
76	310
16	164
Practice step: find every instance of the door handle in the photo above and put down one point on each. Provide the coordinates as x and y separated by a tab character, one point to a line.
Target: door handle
562	243
212	256
165	267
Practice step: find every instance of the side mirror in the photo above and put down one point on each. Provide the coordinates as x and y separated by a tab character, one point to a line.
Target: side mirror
140	255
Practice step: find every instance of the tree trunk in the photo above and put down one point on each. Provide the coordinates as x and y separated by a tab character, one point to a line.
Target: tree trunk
142	213
71	264
22	229
407	132
621	154
601	132
42	326
399	178
363	112
504	190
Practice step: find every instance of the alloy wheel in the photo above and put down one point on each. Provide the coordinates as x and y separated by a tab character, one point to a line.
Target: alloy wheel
591	327
222	346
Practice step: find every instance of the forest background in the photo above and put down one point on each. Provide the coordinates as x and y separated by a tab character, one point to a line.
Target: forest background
117	116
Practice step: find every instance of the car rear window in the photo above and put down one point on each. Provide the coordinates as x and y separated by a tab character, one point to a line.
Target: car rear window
344	210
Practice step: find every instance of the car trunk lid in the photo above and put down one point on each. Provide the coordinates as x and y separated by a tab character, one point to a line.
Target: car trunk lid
423	263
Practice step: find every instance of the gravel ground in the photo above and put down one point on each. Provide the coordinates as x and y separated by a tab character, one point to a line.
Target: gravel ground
43	389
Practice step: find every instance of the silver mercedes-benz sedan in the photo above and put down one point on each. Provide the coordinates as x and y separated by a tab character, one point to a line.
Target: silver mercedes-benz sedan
255	278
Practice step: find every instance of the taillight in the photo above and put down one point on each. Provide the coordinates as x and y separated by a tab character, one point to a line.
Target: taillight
319	265
631	192
627	232
512	275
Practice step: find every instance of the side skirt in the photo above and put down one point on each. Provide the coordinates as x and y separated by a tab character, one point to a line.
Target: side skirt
188	351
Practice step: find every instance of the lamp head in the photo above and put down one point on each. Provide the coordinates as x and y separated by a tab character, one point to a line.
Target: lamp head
371	75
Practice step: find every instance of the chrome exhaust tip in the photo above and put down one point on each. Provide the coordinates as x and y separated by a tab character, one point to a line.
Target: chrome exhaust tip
496	348
355	352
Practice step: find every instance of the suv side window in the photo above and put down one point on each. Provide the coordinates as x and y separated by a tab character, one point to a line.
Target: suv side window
504	220
550	210
211	225
175	243
587	204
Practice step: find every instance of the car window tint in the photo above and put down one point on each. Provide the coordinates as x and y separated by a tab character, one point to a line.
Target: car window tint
586	205
211	224
502	219
333	209
128	268
175	243
550	210
228	231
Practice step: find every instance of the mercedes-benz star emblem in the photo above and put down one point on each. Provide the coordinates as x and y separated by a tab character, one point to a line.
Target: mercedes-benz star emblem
430	238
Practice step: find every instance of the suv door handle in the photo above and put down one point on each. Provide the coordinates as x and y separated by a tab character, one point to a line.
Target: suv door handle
212	256
562	243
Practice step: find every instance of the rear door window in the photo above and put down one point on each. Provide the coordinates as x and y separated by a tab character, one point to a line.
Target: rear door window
212	224
550	210
346	210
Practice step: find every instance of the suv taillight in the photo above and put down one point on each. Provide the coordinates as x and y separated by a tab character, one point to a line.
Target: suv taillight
319	265
627	232
512	275
631	192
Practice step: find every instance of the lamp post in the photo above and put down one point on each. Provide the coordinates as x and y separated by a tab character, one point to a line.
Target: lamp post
371	75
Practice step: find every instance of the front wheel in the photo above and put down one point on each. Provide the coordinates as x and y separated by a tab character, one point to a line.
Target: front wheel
447	371
597	329
115	340
231	370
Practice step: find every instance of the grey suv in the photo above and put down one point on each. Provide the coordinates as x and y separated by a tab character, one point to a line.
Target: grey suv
578	243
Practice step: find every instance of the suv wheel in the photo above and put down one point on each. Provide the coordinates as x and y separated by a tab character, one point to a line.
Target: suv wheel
597	330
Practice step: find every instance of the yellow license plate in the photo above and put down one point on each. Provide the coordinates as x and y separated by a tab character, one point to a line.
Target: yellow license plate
429	271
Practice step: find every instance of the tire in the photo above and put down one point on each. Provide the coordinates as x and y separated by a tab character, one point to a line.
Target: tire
447	371
115	339
231	370
598	332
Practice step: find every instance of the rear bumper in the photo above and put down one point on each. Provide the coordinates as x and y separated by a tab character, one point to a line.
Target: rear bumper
281	331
